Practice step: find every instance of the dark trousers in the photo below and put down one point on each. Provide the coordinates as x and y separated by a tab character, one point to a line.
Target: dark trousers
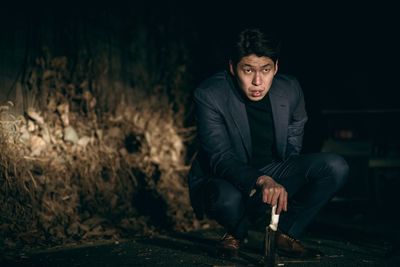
311	180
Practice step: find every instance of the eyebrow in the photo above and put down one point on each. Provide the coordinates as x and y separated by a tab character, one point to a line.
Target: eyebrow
266	65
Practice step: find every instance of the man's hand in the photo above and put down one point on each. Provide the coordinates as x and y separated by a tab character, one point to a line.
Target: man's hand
273	193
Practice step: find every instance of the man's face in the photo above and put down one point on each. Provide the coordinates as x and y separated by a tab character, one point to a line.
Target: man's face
254	75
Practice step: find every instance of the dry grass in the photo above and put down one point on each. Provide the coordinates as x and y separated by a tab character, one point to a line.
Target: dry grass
72	170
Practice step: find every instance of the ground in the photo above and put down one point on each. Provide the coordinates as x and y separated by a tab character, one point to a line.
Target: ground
347	239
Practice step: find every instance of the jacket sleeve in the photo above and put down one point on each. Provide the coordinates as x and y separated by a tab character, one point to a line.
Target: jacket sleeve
215	142
297	120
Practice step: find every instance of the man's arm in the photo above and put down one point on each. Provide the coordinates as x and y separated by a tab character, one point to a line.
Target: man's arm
215	141
298	118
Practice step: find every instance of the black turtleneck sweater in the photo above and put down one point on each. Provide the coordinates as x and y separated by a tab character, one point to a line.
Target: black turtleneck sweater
259	114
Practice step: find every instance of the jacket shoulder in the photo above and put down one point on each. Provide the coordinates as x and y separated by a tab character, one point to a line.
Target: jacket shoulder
215	86
286	81
286	85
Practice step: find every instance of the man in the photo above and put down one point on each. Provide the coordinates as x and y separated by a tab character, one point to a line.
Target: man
250	123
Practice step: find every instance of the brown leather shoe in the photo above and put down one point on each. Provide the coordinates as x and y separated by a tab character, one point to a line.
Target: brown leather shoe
228	246
289	247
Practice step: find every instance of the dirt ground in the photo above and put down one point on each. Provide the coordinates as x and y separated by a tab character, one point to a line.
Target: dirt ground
351	242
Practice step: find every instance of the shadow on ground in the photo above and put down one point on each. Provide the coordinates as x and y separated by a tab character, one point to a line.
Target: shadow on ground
346	241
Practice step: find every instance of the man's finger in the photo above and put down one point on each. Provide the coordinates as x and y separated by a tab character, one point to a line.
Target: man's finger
265	195
279	207
281	203
275	197
283	199
270	195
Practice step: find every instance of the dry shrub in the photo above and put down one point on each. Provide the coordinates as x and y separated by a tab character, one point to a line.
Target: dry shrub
71	171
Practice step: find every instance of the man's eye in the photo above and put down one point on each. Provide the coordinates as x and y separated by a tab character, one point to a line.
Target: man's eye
267	70
247	70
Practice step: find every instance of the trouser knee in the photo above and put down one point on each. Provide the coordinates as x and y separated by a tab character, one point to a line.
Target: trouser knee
223	202
339	169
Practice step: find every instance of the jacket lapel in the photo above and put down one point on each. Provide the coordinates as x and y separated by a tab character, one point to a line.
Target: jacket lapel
280	115
239	115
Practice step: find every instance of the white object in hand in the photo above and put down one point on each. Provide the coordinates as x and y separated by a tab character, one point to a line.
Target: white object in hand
274	219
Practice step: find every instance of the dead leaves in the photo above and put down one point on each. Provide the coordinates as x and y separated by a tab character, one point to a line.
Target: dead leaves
71	172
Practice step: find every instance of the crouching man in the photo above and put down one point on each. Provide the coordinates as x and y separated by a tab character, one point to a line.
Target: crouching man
250	122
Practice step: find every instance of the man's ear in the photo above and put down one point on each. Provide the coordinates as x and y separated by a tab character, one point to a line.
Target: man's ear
276	67
231	68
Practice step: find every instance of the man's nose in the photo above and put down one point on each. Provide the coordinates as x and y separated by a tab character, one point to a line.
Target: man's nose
257	79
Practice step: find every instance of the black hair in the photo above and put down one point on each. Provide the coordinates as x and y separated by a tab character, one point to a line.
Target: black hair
254	41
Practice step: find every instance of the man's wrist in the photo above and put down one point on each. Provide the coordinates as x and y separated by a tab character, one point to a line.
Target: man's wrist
261	180
259	183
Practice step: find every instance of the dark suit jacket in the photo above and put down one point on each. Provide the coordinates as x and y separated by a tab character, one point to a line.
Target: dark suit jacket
224	136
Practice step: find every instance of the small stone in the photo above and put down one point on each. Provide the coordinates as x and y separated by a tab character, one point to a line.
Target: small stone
70	135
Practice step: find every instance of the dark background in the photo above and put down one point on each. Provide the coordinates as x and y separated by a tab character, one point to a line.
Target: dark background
345	55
